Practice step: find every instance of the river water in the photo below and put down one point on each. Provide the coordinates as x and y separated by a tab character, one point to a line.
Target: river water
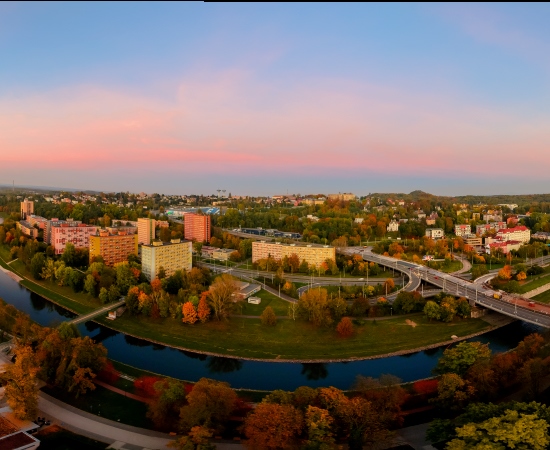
245	374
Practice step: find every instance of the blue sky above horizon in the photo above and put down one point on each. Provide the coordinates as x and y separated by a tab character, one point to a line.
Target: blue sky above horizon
451	99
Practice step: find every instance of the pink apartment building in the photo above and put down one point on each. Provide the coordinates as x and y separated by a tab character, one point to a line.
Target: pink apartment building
197	227
78	234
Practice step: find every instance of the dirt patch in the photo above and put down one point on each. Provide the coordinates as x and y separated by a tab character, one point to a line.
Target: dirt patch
411	323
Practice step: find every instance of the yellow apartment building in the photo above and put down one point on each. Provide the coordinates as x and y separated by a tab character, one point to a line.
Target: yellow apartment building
313	254
171	256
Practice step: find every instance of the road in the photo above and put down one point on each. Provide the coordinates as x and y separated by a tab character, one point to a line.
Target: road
511	305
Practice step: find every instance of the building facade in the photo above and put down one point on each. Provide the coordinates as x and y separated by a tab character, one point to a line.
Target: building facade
74	232
146	231
435	233
490	227
197	227
27	229
519	233
171	256
463	230
27	208
393	226
113	248
314	255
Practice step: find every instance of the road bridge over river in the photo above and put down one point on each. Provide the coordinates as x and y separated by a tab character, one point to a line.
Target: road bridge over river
510	304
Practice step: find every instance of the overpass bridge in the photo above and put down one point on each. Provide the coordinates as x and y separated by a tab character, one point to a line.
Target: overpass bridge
96	313
509	304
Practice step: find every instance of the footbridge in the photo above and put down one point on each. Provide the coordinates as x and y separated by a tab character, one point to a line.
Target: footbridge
510	304
98	312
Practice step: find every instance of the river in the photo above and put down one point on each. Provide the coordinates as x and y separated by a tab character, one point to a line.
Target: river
245	374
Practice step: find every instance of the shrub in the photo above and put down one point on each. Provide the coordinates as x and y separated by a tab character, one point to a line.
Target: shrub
345	327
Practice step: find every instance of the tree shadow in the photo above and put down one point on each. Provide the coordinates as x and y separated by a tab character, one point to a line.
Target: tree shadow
314	371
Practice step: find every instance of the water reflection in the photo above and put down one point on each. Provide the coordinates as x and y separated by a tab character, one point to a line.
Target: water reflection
217	364
314	371
193	355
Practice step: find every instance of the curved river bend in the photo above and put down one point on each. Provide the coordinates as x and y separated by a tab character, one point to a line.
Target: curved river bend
244	374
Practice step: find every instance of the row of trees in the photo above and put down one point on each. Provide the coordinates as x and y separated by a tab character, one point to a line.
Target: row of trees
306	418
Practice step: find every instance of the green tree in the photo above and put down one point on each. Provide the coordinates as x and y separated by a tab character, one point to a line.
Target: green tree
453	392
319	429
69	256
164	408
38	262
114	293
89	285
510	430
124	277
460	358
432	310
104	296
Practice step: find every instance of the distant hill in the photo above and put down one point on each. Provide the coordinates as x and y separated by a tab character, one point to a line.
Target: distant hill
44	189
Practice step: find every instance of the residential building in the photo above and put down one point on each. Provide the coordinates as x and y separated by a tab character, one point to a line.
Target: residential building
505	246
314	255
113	248
37	220
393	226
541	236
146	231
56	222
207	251
463	230
74	232
197	227
519	233
430	220
171	256
490	227
435	233
27	208
27	229
126	228
358	220
346	197
16	434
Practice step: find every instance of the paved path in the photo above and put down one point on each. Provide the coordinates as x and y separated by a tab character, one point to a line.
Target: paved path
121	391
99	428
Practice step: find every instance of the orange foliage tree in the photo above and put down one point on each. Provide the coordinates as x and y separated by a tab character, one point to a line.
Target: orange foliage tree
345	327
189	313
273	427
203	309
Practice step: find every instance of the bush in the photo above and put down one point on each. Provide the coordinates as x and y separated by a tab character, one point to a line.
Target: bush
268	317
345	327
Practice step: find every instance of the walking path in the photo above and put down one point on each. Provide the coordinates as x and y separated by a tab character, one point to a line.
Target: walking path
121	391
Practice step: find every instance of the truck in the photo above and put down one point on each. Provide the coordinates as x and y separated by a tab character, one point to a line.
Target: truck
497	295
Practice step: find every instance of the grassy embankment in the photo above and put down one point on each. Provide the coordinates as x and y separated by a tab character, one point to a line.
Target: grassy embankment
295	340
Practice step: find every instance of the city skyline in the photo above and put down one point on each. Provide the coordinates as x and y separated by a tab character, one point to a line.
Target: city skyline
265	99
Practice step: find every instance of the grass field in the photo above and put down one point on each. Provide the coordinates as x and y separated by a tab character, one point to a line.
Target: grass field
543	297
294	340
280	307
534	282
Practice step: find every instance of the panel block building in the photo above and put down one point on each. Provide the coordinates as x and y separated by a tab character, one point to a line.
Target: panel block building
146	231
74	232
171	256
313	254
197	227
27	208
113	248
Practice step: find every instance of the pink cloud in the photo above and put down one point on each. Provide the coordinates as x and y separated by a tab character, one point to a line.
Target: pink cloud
233	123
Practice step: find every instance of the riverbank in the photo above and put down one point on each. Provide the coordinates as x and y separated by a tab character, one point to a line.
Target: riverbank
289	341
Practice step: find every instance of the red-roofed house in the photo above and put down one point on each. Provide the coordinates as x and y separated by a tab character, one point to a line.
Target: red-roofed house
519	233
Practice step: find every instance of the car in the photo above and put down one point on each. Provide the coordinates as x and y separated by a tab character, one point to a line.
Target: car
361	279
531	304
436	278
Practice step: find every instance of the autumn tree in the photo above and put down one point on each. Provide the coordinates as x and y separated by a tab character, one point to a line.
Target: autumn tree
209	404
20	384
272	427
221	296
189	313
505	273
169	399
268	317
345	327
453	392
319	429
196	439
203	310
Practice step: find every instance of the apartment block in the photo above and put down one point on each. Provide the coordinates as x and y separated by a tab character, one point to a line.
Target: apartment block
27	208
463	230
146	231
113	248
37	220
346	197
519	233
197	227
56	222
489	227
171	256
435	233
313	254
74	232
27	229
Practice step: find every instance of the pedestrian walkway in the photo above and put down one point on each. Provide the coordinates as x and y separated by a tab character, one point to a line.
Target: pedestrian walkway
121	391
98	428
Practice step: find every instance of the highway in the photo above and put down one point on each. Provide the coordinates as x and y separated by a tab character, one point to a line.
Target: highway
509	304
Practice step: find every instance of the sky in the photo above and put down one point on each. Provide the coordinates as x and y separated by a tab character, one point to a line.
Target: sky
265	99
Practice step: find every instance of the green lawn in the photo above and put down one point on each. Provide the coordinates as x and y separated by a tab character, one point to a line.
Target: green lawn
534	282
294	339
107	404
544	297
57	438
280	307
